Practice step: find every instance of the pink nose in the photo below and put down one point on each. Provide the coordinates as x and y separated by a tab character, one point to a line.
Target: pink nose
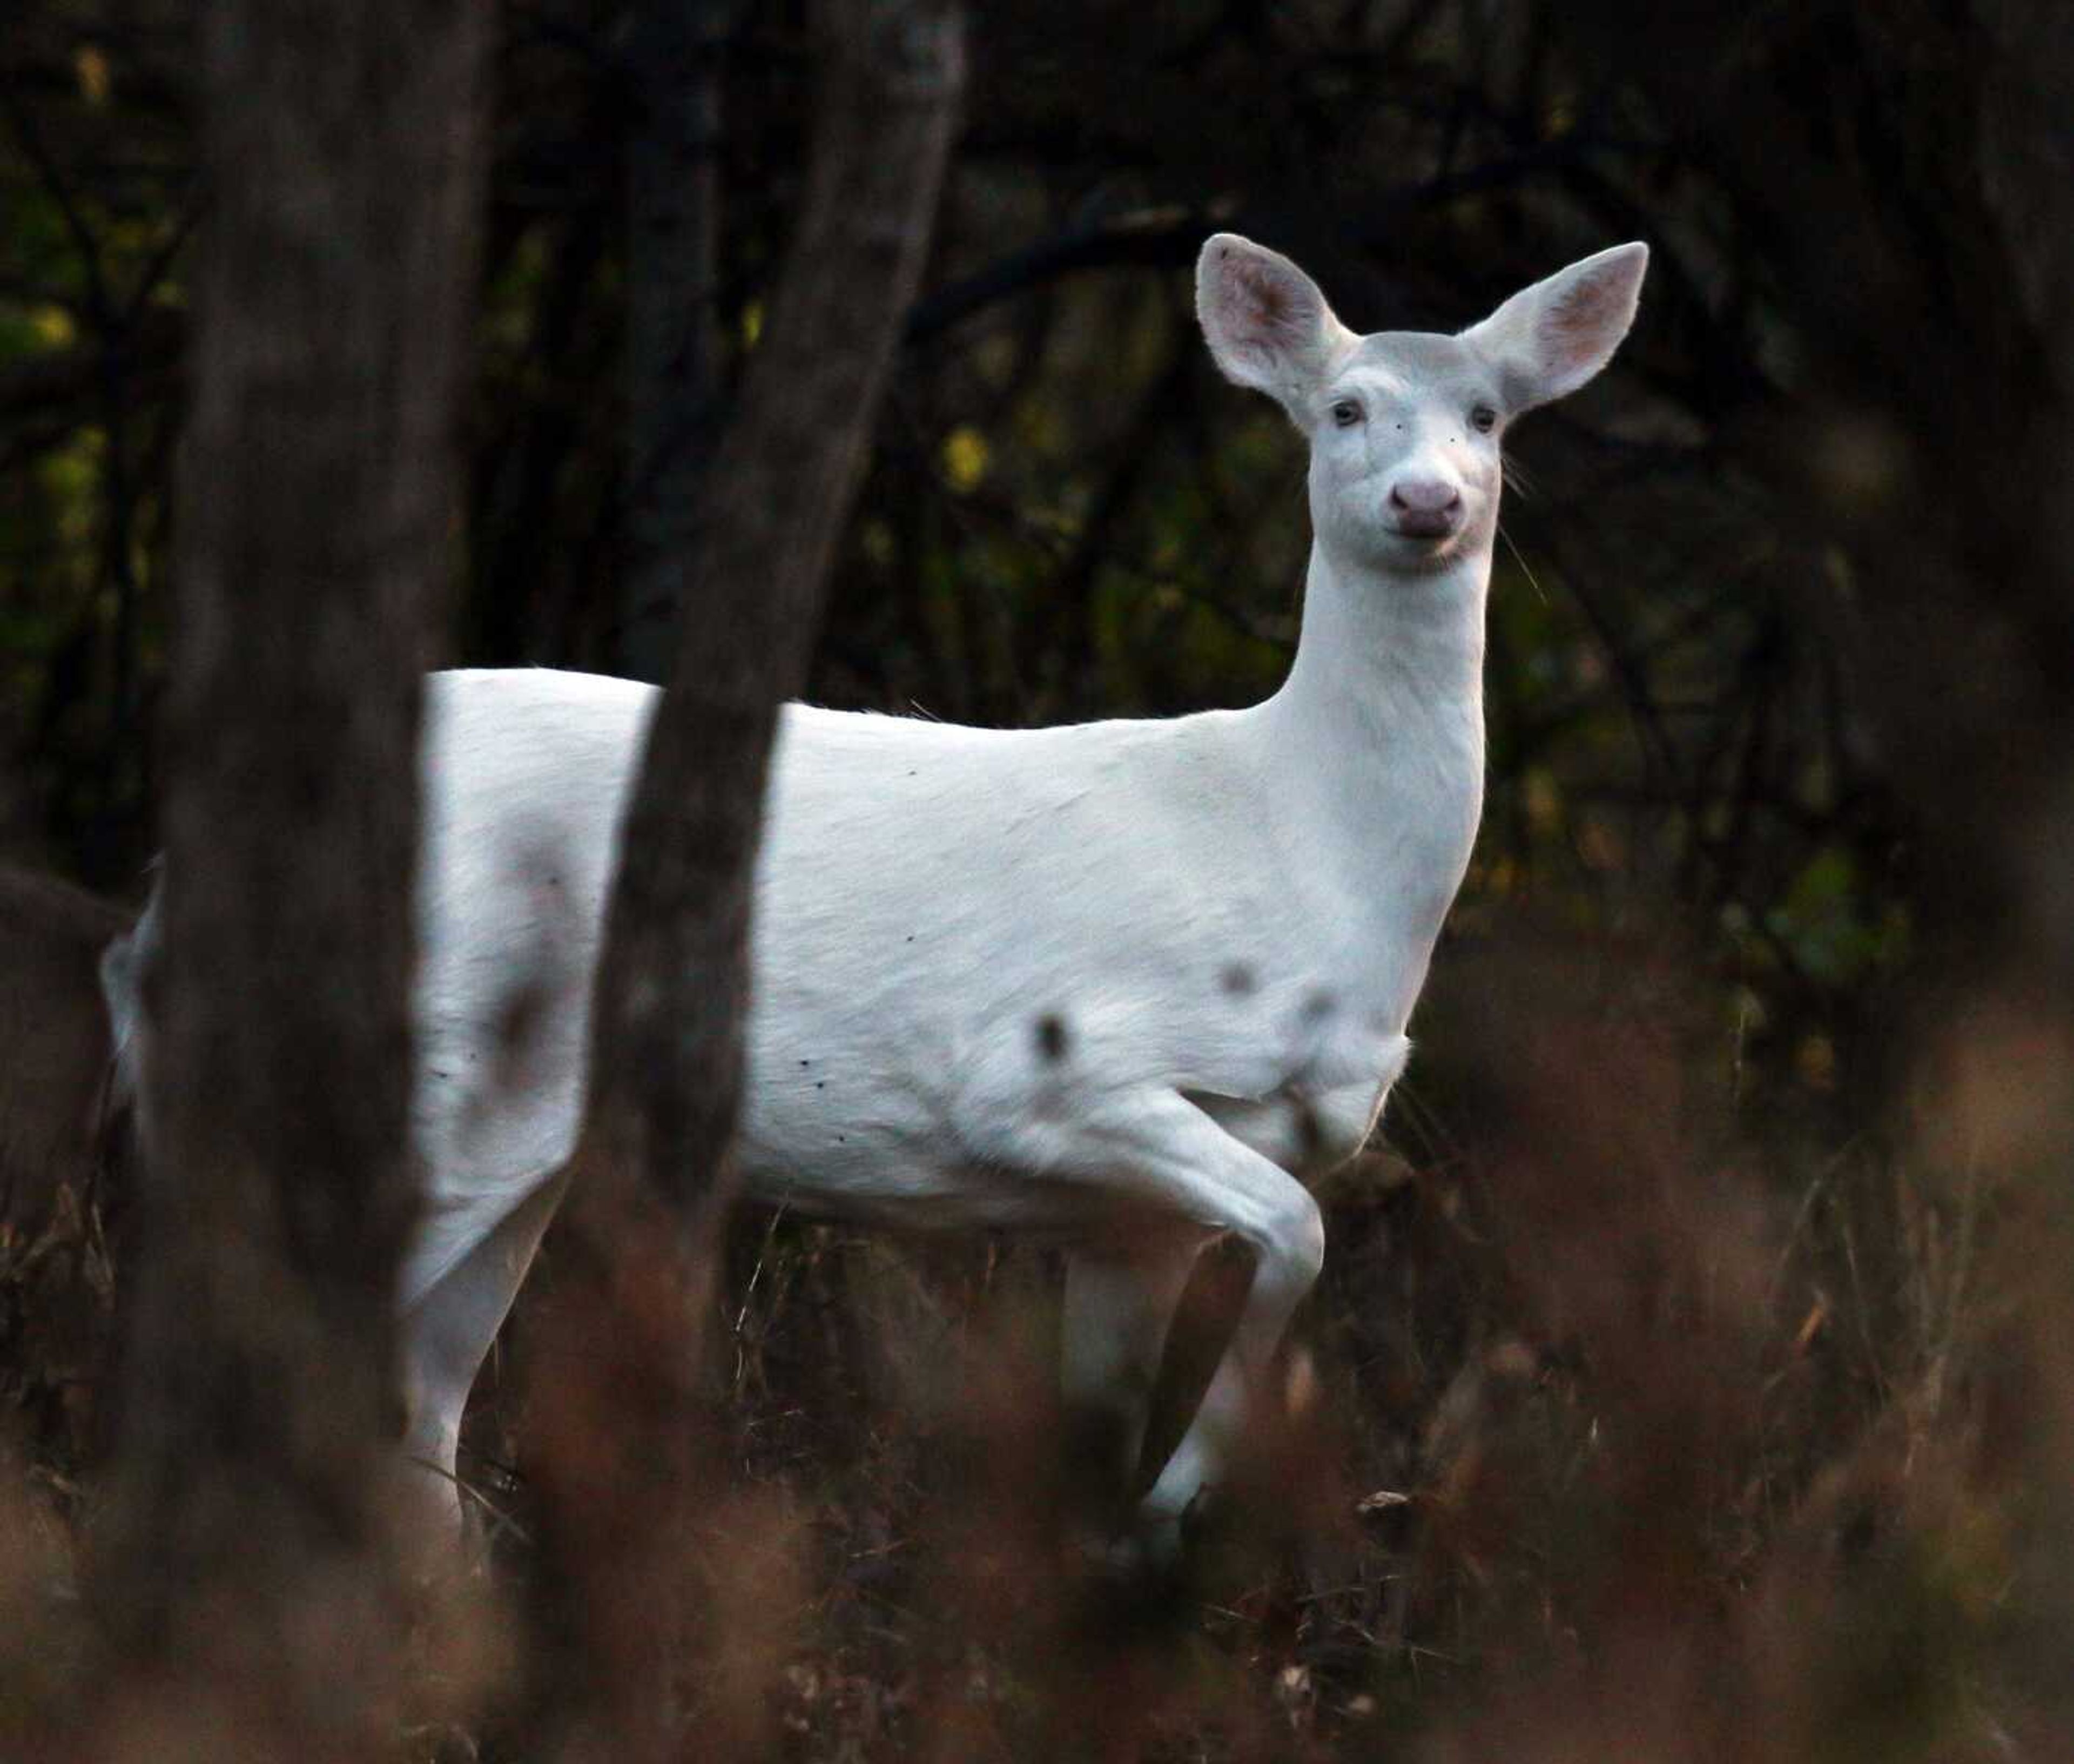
1425	507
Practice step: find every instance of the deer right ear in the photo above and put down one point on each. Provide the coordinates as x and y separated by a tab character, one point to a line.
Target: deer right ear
1266	322
1547	341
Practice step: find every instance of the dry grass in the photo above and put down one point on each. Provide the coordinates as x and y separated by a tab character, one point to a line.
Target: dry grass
1632	1418
1649	1408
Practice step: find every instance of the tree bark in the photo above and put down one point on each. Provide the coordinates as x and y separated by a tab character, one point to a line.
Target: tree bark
671	357
613	1457
251	1573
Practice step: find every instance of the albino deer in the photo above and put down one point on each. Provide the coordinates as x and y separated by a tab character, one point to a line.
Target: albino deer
1116	982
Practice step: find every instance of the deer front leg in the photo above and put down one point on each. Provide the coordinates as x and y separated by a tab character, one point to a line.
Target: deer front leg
1154	1150
1304	1134
1244	1384
1244	1378
1120	1300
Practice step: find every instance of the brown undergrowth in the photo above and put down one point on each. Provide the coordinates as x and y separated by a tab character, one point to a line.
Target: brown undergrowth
1649	1407
1633	1418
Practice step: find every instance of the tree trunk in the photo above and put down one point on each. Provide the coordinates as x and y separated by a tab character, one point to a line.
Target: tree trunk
613	1458
251	1572
672	360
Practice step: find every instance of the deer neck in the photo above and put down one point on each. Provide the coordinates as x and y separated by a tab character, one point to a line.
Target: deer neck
1386	656
1376	743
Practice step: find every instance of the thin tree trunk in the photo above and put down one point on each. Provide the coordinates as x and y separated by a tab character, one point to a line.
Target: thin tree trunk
615	1458
671	357
252	1553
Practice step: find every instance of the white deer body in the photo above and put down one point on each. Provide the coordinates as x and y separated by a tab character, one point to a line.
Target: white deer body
1118	982
1137	906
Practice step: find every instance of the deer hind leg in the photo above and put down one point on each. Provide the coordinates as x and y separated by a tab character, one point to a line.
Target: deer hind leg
447	1334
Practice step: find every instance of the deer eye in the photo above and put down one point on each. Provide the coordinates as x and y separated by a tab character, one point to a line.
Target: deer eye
1346	413
1484	418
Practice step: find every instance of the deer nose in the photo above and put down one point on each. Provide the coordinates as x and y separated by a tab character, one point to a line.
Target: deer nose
1425	507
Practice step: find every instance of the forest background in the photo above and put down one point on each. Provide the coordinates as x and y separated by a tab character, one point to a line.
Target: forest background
1691	1374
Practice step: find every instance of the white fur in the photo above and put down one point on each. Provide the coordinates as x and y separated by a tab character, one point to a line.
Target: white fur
1116	982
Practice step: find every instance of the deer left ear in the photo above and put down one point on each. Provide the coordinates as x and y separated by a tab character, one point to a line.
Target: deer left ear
1264	321
1548	340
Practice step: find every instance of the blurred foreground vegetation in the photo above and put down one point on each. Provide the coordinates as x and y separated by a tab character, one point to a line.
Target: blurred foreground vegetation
1690	1377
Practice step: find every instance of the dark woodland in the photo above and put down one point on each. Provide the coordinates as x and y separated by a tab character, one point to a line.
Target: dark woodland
1692	1376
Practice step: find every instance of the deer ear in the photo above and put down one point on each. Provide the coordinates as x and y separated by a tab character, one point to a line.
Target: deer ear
1547	340
1266	322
